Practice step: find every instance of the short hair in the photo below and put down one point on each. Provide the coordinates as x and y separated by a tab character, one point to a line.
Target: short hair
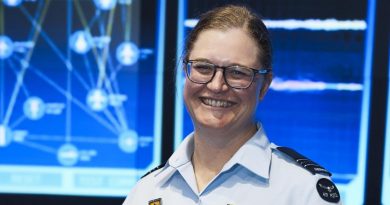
232	16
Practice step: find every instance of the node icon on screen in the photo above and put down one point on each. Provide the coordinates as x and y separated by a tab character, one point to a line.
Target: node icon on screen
6	47
5	136
34	108
105	4
12	3
97	99
68	155
127	53
81	42
128	141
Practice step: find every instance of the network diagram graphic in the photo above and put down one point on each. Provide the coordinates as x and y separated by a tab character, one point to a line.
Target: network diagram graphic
97	62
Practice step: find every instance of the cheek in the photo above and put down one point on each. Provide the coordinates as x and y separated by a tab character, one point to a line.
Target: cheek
188	91
252	97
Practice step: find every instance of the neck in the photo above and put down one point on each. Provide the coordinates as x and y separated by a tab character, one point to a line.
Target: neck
221	146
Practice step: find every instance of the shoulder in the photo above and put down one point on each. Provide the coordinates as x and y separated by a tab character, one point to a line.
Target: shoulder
146	186
305	163
297	172
153	170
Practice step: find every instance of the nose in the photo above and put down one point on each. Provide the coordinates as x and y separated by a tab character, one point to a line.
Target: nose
217	84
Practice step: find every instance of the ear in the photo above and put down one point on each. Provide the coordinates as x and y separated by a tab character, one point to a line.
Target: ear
264	88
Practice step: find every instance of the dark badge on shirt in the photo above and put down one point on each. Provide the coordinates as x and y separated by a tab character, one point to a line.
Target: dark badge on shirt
155	202
328	190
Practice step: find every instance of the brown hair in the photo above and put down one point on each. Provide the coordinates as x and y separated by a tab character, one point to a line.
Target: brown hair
232	16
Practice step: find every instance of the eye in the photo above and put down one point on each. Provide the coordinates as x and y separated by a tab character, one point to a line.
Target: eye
203	67
237	72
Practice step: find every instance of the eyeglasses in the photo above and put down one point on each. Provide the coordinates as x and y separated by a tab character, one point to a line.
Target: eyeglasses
235	76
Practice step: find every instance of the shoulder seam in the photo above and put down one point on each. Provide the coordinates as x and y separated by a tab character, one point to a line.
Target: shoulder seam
304	162
153	170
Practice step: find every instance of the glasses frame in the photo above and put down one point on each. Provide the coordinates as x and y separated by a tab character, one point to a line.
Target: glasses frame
261	71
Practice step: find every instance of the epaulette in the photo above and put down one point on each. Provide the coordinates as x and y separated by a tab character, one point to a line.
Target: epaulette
154	169
304	162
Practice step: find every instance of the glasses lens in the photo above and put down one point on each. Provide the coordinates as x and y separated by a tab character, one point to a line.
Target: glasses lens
238	77
200	72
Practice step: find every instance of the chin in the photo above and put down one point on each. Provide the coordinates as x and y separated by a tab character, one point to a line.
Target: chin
214	123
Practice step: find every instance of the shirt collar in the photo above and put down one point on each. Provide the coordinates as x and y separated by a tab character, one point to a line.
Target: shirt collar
254	155
179	158
184	152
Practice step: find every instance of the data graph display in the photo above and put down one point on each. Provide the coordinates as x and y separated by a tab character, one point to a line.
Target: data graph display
79	96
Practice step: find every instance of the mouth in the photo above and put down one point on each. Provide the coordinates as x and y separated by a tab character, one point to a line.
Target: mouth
217	103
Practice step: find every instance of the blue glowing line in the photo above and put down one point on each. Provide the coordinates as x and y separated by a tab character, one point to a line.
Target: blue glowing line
356	195
81	139
37	14
75	101
2	90
15	93
113	87
17	122
307	24
386	166
101	26
20	75
68	123
159	82
119	112
39	147
44	35
55	48
123	19
89	70
111	118
114	70
279	84
13	67
179	104
79	78
114	74
94	18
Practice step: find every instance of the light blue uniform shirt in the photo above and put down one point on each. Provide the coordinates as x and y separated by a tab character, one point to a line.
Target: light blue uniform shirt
256	174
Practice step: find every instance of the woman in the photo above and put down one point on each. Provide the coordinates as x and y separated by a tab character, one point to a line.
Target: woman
228	158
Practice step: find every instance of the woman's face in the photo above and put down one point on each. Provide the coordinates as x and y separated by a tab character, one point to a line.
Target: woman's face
215	104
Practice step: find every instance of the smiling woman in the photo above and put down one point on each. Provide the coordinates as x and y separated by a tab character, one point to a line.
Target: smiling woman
228	158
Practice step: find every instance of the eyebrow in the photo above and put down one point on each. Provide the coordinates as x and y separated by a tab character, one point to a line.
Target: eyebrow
208	61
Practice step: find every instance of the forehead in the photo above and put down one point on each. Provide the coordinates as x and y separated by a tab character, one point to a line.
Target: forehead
226	46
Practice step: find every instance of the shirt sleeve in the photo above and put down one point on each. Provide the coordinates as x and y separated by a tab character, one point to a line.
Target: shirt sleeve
130	199
322	192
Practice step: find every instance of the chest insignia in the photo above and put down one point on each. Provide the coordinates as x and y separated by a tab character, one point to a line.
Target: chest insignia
328	190
155	202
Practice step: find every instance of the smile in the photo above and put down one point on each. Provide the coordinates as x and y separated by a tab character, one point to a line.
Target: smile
217	103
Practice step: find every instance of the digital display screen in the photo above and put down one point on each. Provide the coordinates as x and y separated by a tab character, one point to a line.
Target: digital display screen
80	95
315	104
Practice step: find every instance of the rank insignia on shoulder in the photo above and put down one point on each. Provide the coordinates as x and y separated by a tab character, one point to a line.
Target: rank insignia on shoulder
154	169
328	190
304	162
155	202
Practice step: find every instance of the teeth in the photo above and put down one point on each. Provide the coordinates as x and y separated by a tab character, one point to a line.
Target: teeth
216	103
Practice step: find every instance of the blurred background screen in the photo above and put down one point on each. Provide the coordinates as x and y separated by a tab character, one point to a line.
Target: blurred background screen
80	103
85	94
